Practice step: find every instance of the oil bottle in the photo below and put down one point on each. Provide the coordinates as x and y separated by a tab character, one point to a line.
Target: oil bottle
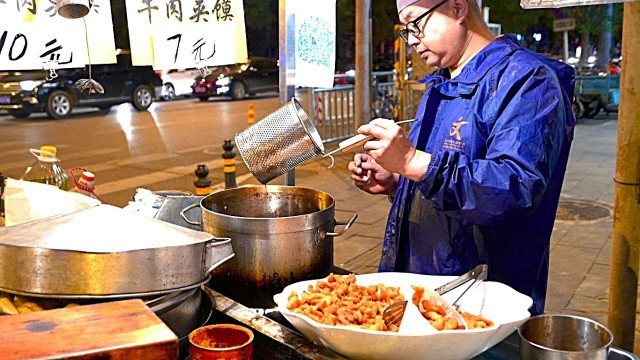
46	169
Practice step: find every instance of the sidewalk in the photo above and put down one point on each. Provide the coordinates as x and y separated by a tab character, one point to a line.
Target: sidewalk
580	250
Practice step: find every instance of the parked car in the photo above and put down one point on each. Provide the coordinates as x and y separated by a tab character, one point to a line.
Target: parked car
25	92
178	82
258	75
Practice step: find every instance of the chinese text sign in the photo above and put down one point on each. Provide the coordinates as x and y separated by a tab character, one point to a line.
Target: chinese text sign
174	34
33	36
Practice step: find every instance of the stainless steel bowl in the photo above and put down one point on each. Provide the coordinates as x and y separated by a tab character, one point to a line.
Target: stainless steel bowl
563	337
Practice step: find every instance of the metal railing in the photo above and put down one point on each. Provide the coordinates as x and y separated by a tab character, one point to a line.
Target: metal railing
334	108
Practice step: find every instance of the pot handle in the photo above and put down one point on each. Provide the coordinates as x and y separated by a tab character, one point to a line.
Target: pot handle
216	252
346	227
184	216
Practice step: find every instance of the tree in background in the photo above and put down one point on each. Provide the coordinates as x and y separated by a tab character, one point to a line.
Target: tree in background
383	17
513	18
261	21
597	20
261	18
590	20
345	33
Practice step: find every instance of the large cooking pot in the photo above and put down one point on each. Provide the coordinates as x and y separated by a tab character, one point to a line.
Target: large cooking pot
280	235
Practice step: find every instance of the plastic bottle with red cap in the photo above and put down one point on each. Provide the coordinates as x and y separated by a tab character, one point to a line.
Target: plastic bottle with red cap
86	185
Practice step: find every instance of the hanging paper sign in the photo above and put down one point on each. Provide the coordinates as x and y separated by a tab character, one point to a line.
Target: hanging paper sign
178	34
186	48
33	36
315	42
538	4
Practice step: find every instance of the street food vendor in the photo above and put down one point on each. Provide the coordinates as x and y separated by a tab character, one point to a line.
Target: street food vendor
478	177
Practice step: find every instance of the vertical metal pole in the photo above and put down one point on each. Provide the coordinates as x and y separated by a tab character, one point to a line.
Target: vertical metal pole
363	63
287	66
565	37
625	241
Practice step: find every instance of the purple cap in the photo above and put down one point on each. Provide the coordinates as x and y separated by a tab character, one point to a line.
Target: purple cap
404	3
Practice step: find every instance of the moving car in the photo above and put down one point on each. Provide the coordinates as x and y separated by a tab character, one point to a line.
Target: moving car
178	82
258	75
25	92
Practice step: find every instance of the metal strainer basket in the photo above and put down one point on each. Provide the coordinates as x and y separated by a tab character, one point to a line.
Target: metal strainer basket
283	140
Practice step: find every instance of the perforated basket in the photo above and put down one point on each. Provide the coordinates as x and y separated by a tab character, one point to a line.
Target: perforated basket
278	143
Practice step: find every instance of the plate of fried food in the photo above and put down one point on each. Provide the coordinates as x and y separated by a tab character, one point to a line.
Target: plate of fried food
344	314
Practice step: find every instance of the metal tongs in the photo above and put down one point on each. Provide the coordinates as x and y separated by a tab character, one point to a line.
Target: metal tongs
355	142
478	274
394	312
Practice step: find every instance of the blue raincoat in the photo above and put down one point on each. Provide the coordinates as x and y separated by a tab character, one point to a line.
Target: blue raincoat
499	134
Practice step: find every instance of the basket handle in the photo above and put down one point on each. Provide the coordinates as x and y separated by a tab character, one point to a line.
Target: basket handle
346	227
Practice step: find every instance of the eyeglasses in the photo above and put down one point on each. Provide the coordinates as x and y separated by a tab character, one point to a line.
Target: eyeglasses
412	26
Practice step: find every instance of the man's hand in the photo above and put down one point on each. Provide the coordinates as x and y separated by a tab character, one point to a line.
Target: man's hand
393	150
371	177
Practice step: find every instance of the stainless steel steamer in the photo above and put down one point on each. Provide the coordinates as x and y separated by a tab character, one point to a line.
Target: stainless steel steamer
105	252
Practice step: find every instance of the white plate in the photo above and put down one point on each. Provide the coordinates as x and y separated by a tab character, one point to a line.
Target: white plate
507	308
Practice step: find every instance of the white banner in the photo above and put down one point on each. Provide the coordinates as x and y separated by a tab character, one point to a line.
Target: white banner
315	41
179	34
537	4
33	36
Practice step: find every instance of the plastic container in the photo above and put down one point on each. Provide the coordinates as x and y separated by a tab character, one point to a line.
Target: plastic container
86	185
46	169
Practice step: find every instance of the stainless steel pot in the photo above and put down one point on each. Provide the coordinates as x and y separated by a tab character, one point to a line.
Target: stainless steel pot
563	337
105	252
280	235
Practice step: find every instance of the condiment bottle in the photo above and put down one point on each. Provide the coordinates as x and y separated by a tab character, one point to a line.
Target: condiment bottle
46	169
86	185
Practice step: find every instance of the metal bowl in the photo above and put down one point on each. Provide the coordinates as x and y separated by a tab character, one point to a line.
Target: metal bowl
563	337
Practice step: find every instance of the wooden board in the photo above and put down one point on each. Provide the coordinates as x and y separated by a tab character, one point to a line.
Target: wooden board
116	330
